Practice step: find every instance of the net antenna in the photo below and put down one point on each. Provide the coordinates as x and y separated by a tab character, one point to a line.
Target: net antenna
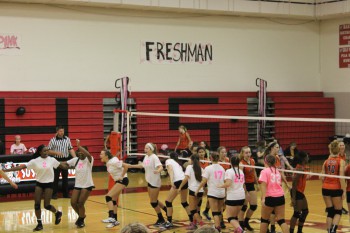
120	118
261	125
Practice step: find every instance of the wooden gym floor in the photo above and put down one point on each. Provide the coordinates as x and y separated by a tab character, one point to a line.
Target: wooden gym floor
18	216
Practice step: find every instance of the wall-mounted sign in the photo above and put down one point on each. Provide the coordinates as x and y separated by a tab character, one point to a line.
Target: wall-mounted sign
10	44
344	57
344	34
176	52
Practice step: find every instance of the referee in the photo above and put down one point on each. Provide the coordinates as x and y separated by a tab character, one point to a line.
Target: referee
60	147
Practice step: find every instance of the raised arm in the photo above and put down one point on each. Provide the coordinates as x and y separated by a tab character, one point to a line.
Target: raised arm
3	174
83	150
18	168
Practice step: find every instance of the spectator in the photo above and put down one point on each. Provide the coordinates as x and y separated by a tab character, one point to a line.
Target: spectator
18	148
134	228
60	147
291	151
107	141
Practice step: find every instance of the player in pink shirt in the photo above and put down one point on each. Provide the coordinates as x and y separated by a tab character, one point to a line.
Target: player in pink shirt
272	195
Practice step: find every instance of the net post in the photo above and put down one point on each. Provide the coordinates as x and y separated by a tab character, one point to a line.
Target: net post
128	114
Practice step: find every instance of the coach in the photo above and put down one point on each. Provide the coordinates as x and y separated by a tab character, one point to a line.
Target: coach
61	148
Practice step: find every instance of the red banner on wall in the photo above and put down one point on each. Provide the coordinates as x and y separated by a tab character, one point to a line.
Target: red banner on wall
344	57
344	34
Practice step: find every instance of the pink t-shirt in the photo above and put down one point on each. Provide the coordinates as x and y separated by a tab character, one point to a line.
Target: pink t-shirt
272	178
18	150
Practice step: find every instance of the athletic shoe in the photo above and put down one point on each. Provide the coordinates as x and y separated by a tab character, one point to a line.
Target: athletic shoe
222	225
39	227
192	226
159	223
81	224
108	220
206	215
168	224
58	217
113	224
344	211
238	230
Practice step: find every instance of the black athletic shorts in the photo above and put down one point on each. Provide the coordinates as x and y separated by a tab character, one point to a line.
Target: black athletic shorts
45	185
348	196
234	202
298	195
178	183
151	186
200	194
217	198
274	201
250	187
124	181
88	188
332	192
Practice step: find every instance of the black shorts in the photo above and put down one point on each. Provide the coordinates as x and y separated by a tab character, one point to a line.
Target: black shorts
45	185
178	183
332	192
88	188
124	181
348	196
152	187
191	193
250	187
216	198
234	202
274	201
298	195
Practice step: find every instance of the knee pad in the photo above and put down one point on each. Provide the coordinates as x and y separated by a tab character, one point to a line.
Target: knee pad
37	206
244	208
48	207
184	204
108	199
199	203
114	202
339	212
218	213
154	204
232	218
264	221
330	212
281	221
168	204
296	214
193	212
303	215
253	207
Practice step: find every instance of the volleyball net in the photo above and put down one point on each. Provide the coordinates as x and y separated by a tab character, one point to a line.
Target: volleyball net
311	135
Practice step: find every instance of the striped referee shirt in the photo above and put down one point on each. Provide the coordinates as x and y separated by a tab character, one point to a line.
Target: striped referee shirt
62	145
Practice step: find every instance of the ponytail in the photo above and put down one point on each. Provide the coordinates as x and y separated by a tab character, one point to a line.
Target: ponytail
196	167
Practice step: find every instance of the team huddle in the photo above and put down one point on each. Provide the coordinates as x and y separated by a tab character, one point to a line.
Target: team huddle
229	184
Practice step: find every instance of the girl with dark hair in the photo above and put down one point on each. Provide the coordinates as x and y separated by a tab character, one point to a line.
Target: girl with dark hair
193	177
176	176
43	167
272	195
202	158
205	145
118	171
184	141
333	189
214	176
299	202
251	180
153	167
235	197
83	181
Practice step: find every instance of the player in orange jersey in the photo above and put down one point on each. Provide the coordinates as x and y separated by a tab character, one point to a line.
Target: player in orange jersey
299	202
333	189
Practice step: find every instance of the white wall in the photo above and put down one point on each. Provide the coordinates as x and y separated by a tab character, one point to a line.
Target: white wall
86	49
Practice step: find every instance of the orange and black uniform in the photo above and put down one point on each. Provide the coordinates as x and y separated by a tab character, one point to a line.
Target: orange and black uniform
183	141
249	174
331	186
347	173
204	164
226	166
301	182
